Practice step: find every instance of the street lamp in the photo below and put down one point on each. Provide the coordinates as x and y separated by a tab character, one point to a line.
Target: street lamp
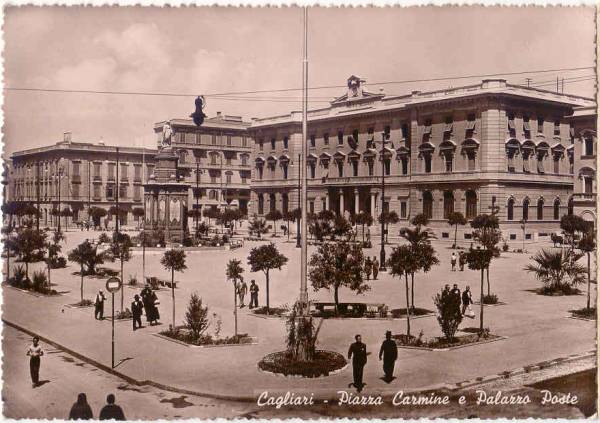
197	193
298	245
384	140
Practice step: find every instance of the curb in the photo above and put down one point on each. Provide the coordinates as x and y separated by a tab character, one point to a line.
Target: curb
177	341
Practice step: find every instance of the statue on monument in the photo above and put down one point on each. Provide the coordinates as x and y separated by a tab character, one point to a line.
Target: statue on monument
167	134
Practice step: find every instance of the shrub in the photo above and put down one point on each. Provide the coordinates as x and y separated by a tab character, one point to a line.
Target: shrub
19	278
125	314
40	281
58	262
188	242
196	316
505	247
449	315
410	340
104	239
84	303
322	364
490	299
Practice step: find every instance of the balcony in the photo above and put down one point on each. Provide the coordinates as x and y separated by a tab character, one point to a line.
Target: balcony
97	178
76	179
111	178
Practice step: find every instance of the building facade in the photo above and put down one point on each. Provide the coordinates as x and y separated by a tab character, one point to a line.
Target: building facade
214	159
584	151
78	176
489	147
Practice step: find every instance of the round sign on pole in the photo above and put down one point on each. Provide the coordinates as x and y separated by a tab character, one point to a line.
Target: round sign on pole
113	284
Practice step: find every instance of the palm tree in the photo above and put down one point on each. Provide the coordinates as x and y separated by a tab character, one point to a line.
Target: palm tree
587	245
402	262
455	219
557	268
274	216
234	274
487	233
386	218
363	218
173	260
479	259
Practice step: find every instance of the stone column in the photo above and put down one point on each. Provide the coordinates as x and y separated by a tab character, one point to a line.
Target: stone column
341	202
356	201
373	212
327	201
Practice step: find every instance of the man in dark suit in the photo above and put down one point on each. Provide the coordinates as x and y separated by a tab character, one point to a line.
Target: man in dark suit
389	353
137	308
358	353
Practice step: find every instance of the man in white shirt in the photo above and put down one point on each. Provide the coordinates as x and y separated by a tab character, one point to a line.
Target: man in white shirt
35	352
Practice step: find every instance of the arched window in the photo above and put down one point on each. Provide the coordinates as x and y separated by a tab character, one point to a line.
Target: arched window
540	209
510	209
272	205
261	204
471	206
570	207
448	203
212	194
428	204
526	209
284	203
556	209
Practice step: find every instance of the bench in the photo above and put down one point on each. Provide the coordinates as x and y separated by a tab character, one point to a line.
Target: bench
350	309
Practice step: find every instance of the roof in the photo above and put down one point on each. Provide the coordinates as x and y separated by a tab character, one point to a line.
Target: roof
82	147
226	122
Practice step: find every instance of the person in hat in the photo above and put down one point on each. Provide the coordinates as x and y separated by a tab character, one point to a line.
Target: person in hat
81	410
253	294
150	301
137	308
358	353
99	306
389	353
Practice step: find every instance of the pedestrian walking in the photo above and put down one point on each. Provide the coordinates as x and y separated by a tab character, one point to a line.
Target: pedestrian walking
453	261
368	267
242	291
467	300
81	410
389	353
445	292
35	352
253	294
99	305
375	268
137	308
462	260
111	410
358	353
455	293
150	301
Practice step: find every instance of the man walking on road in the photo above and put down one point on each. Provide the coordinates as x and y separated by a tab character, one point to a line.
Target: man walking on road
375	264
358	353
35	352
253	294
111	410
99	306
389	353
242	290
136	309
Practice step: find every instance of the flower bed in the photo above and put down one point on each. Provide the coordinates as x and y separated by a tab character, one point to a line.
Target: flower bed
84	303
438	343
273	311
401	312
186	336
584	313
558	291
323	364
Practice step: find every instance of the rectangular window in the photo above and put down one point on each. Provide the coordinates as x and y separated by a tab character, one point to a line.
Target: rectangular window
589	145
228	140
285	142
355	135
213	179
110	192
540	125
340	137
244	178
526	127
137	170
340	165
313	142
427	160
111	171
370	133
311	207
448	160
403	210
97	188
213	159
405	131
448	124
556	165
244	142
122	191
261	144
136	193
471	160
588	184
355	168
97	170
312	170
272	143
75	190
244	160
557	127
404	166
213	139
326	138
228	161
124	170
76	168
540	164
228	178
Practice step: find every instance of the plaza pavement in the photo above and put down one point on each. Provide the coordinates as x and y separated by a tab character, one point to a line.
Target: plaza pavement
536	327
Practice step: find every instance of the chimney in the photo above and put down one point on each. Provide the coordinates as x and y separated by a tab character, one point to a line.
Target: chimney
67	137
218	115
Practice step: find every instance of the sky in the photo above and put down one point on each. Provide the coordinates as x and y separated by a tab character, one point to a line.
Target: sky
203	50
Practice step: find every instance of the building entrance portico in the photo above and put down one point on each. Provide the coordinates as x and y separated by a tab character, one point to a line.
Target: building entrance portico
353	200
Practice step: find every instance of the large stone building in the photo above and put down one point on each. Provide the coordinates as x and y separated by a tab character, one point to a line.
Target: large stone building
487	147
78	176
214	159
584	150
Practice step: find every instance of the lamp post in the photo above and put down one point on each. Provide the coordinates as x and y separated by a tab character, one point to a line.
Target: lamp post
118	186
59	177
37	189
299	206
197	195
384	140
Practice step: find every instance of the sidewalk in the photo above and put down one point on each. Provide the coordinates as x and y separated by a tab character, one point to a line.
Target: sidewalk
232	373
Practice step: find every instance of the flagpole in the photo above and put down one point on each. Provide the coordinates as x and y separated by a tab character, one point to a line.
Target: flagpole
304	232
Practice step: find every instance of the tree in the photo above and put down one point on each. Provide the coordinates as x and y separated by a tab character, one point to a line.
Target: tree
274	216
234	274
455	219
265	258
337	264
196	316
449	315
403	262
363	218
587	245
420	220
138	213
288	217
29	246
210	213
9	247
386	218
557	268
488	234
479	259
66	212
120	249
97	213
87	255
341	227
571	226
112	211
257	226
173	260
53	248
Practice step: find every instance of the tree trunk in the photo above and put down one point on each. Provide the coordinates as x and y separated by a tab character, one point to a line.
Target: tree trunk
487	275
235	330
274	228
481	306
173	294
288	230
49	282
363	233
455	233
588	277
267	274
412	292
122	283
81	287
336	299
407	305
27	270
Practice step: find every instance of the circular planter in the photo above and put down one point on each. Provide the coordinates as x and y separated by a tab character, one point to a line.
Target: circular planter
325	363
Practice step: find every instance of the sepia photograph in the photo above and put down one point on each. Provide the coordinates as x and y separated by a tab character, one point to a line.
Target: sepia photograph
299	212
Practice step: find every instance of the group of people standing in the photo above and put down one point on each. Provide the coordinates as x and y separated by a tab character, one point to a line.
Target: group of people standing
81	410
241	288
146	302
371	267
461	258
358	353
465	299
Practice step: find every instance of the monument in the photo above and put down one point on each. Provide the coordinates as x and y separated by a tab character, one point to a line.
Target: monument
165	196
